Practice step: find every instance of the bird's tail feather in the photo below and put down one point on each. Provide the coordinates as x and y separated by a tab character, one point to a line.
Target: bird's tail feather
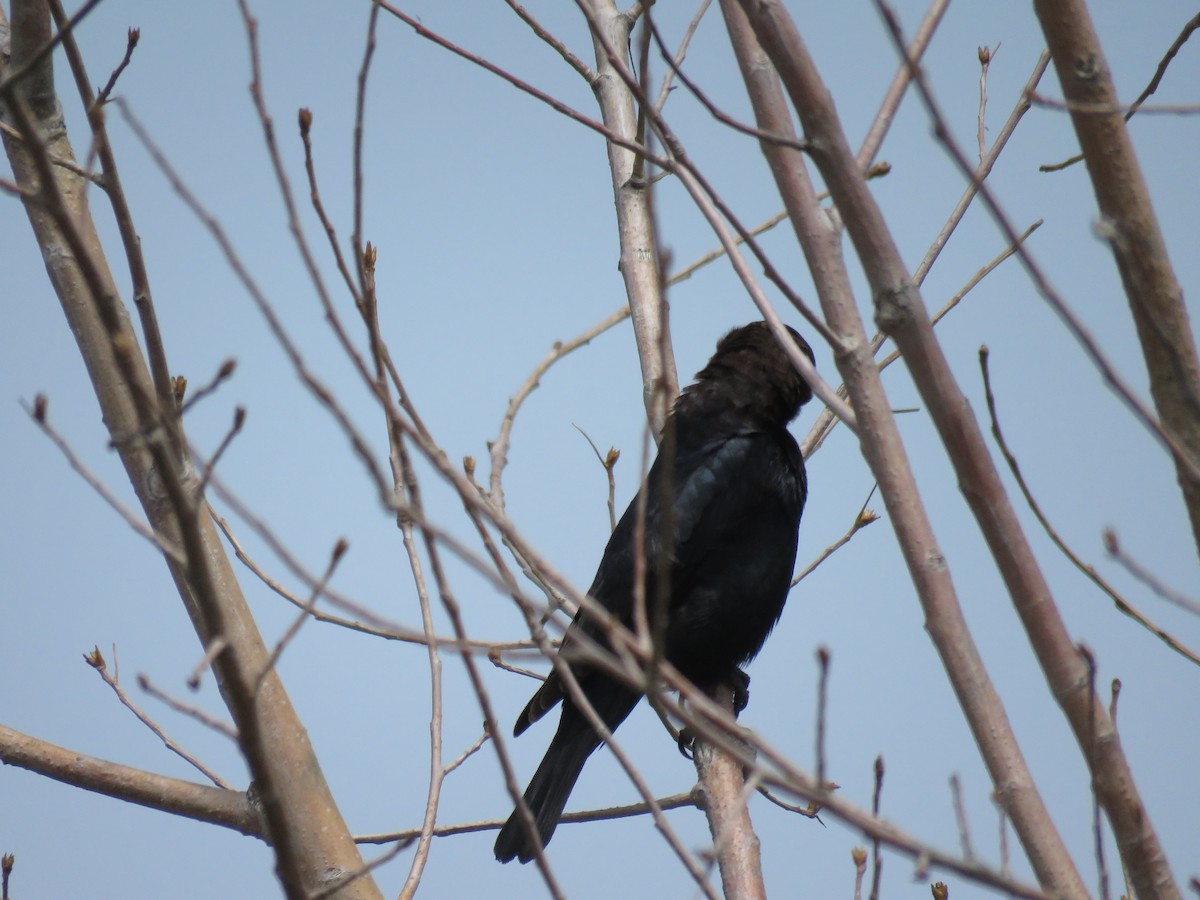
548	791
551	784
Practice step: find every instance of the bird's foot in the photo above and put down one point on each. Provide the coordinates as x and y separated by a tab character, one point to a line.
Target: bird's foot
685	742
739	685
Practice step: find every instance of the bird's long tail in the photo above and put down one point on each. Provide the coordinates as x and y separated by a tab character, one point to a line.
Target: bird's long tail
554	779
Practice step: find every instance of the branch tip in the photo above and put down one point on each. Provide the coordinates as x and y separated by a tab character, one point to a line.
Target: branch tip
95	659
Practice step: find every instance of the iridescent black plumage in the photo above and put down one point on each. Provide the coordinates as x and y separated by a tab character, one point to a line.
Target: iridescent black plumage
738	488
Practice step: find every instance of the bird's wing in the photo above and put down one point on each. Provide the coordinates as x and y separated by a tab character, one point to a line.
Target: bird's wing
711	492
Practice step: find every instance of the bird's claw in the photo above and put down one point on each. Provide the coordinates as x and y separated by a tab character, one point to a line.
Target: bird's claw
685	742
739	685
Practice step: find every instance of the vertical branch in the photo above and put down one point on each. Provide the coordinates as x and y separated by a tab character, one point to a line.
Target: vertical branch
635	225
1131	227
879	438
736	846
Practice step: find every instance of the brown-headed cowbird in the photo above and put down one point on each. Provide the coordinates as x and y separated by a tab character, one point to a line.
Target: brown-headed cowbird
721	541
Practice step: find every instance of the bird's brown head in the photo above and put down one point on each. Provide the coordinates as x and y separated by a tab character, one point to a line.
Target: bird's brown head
749	363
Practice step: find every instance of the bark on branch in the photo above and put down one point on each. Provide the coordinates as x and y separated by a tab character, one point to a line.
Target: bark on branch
202	802
1129	224
901	313
306	829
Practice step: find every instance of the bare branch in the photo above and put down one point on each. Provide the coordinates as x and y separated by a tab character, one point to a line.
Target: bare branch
1130	225
862	519
187	709
639	263
558	46
306	611
960	817
772	26
217	806
735	845
902	308
131	42
1150	88
38	414
1142	574
1121	603
96	660
900	82
985	59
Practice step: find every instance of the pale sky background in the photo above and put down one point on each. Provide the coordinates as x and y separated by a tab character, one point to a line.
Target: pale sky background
494	219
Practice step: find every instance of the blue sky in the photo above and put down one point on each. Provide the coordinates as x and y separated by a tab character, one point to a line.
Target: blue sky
494	221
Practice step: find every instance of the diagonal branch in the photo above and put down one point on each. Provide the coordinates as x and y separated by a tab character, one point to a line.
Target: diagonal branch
766	23
900	312
1131	227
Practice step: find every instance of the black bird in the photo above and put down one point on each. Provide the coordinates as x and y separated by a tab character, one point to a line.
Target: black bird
726	535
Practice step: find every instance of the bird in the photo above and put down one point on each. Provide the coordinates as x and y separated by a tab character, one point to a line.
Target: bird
722	506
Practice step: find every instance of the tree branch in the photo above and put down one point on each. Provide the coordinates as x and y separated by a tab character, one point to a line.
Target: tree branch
1131	228
880	441
202	802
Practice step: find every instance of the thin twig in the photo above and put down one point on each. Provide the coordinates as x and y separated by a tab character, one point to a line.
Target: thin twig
876	859
239	419
357	239
466	754
498	452
558	46
1097	822
305	122
859	856
1121	603
960	816
899	86
608	462
674	801
864	518
986	54
339	550
1113	547
131	42
980	173
554	103
720	115
680	55
70	165
187	709
812	810
212	650
95	659
1107	109
225	370
38	413
822	699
